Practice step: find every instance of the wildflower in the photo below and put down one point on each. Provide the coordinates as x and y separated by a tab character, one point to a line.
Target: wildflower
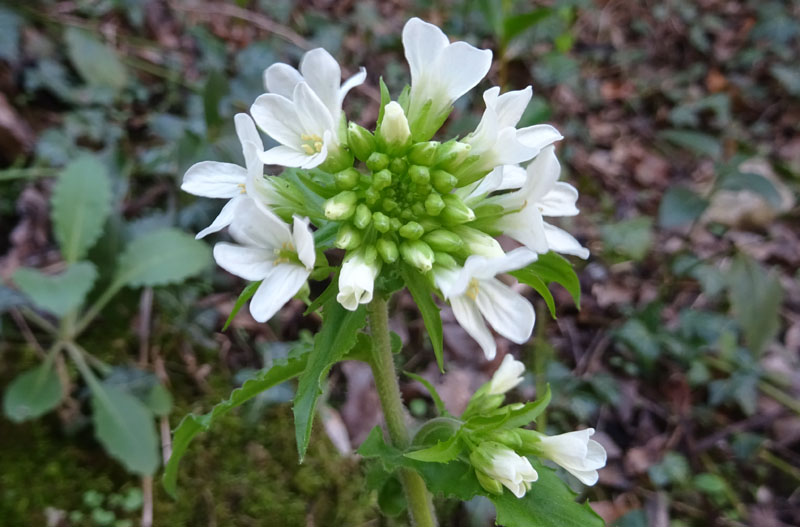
475	294
507	376
496	463
270	251
357	280
579	455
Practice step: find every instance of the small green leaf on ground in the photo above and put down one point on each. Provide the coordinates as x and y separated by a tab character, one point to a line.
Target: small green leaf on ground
756	296
162	257
631	238
57	294
96	62
680	206
32	393
696	142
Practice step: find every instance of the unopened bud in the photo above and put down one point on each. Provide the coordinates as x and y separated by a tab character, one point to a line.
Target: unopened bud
360	141
418	208
398	166
370	254
372	195
377	161
455	212
490	485
419	174
451	154
508	437
394	129
444	260
411	230
348	237
362	217
418	254
389	204
387	250
381	222
347	178
434	204
443	181
423	153
341	206
381	179
443	240
478	242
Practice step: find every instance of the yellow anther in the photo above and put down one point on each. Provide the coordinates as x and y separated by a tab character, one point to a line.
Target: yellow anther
312	143
318	146
473	288
307	149
242	188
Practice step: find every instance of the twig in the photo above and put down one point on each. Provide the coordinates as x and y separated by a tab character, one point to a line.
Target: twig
147	501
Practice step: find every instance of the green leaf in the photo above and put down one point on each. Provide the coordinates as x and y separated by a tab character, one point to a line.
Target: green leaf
552	267
162	257
125	428
539	286
192	424
422	293
57	294
32	393
442	452
215	89
246	294
632	238
515	25
529	412
325	296
97	63
434	394
81	203
756	298
385	99
336	337
159	400
549	503
754	182
697	142
680	206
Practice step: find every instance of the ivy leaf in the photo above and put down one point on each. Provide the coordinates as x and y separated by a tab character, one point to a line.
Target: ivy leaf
161	257
552	267
441	452
125	428
97	63
421	292
549	503
337	336
440	408
81	203
246	294
192	424
32	393
57	294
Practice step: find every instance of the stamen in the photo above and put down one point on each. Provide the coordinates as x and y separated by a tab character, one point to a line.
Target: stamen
472	290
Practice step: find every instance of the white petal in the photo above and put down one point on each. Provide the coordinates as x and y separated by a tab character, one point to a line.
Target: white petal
460	67
485	268
587	477
278	287
314	115
356	282
281	79
596	455
253	226
543	172
250	263
560	201
224	218
252	160
561	241
511	105
488	184
285	156
211	179
485	134
422	42
277	117
246	130
323	75
508	312
538	136
509	150
527	227
469	317
513	176
304	242
356	80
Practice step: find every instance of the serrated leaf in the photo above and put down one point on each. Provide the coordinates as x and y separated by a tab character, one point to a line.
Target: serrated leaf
32	393
96	62
434	394
422	293
58	294
549	503
336	337
125	428
756	297
441	452
680	206
192	424
81	203
246	294
552	267
161	257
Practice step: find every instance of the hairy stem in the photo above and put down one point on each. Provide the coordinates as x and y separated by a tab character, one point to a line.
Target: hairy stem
420	505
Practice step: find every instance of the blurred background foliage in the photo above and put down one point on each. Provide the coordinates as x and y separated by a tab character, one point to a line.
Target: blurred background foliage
681	132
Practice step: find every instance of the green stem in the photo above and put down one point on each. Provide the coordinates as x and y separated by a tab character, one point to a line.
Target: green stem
94	310
420	504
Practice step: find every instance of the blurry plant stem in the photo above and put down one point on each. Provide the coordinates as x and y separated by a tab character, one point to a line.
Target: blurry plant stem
95	308
147	501
768	388
541	358
780	464
710	466
420	504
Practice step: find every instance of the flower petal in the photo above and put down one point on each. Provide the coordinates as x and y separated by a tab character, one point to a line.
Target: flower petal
538	136
356	80
323	75
587	477
281	79
508	312
285	156
212	179
277	117
224	218
510	106
250	263
304	242
513	176
421	42
313	114
560	201
255	227
246	130
542	174
278	287
460	67
561	241
469	317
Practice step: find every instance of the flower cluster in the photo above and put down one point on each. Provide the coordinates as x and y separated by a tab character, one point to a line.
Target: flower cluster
394	197
500	456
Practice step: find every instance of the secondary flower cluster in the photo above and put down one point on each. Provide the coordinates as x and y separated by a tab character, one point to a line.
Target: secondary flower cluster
500	457
393	197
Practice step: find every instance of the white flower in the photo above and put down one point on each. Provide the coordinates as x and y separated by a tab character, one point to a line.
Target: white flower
394	127
574	451
474	294
507	376
356	281
496	139
441	72
212	179
270	251
541	195
504	465
303	109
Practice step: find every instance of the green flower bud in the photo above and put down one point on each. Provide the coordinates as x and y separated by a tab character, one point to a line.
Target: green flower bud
387	249
478	242
338	158
423	189
508	437
455	212
396	224
443	240
347	178
398	166
362	217
372	195
419	174
389	204
444	260
443	181
429	224
418	208
381	221
341	206
394	131
377	161
451	154
360	141
434	204
423	153
406	214
490	485
411	230
381	179
348	237
370	254
417	253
